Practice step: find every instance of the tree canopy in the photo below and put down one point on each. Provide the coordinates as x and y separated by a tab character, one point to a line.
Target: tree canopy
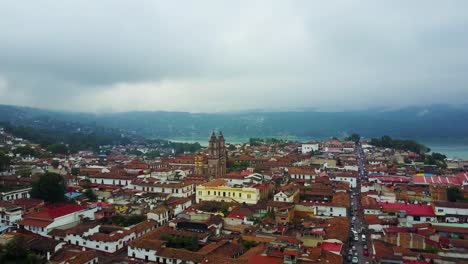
354	137
58	148
4	161
50	187
25	151
454	194
16	251
400	144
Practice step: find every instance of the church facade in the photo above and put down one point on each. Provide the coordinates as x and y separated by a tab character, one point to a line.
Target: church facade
217	156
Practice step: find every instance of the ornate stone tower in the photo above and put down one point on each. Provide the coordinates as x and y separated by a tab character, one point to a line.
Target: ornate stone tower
217	156
199	165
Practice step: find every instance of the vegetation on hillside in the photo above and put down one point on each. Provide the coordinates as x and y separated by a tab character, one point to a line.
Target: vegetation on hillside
399	144
4	161
63	142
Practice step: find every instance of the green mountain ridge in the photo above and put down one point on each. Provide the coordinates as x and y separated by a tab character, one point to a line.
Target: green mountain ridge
434	122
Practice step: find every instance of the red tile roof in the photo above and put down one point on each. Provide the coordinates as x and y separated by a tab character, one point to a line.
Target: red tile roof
438	180
410	209
35	222
390	178
333	247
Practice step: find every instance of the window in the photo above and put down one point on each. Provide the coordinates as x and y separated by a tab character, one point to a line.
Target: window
284	199
208	192
440	210
248	196
107	248
199	192
416	218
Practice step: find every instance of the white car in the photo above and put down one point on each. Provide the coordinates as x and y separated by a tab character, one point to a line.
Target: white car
355	260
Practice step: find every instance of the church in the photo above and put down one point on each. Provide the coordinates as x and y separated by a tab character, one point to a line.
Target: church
217	156
213	164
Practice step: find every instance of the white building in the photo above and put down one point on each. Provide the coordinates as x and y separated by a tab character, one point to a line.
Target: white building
15	194
451	212
351	179
310	147
54	216
108	239
322	209
111	179
9	215
176	189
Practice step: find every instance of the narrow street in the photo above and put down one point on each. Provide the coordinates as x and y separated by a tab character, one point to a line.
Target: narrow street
357	217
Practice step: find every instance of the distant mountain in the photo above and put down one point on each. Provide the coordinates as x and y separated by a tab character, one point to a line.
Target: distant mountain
436	122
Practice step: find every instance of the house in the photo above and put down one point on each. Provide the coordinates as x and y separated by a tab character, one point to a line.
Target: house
288	193
161	215
451	212
409	214
302	174
10	214
54	216
71	256
346	176
152	185
311	146
332	146
201	223
322	209
104	238
15	193
113	178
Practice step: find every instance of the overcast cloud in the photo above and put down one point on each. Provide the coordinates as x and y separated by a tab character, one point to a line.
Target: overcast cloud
207	56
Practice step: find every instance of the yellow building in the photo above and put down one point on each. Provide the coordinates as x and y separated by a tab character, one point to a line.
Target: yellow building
218	190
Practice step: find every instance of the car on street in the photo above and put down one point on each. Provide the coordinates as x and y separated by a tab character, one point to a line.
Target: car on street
354	248
355	260
365	252
350	257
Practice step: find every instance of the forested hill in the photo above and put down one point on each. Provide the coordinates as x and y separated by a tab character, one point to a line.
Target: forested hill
432	122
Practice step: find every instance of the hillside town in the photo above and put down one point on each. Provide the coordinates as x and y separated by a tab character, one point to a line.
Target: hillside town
266	201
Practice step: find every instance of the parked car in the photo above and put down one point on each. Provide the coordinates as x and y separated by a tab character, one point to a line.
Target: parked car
350	257
355	260
365	252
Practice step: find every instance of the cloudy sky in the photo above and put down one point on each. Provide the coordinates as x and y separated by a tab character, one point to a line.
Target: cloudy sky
210	56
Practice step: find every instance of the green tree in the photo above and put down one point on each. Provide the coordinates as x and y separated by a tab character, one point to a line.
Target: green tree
454	194
248	244
354	137
153	154
50	187
58	148
16	251
4	161
75	171
231	147
25	151
55	163
90	194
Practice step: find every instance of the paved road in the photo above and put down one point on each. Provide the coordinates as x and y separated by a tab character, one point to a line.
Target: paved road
355	211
